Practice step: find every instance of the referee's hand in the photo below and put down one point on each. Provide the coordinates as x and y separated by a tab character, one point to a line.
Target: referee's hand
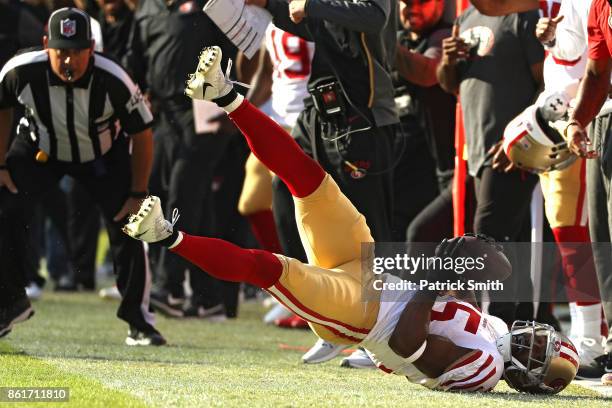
7	181
131	206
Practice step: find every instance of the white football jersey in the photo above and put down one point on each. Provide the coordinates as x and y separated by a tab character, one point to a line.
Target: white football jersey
565	62
458	321
291	57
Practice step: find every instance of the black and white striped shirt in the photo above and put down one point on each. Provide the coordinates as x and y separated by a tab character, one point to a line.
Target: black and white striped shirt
73	122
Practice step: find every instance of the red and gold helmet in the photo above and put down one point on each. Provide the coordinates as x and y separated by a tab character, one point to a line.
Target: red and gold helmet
538	359
533	139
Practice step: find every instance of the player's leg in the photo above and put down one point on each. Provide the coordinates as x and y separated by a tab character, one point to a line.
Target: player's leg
255	203
331	300
322	211
267	140
565	204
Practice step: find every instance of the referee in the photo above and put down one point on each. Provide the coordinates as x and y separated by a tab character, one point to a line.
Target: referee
79	107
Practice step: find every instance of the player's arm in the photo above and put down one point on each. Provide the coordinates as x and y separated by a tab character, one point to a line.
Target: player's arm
280	14
9	85
503	7
454	49
142	159
416	68
361	16
411	340
593	90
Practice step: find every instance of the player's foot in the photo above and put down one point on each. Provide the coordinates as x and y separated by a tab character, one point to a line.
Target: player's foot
592	358
208	81
212	314
322	351
277	312
167	304
110	293
20	311
358	359
144	338
291	322
33	291
149	224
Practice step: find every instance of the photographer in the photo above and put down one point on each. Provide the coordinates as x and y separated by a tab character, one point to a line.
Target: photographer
348	126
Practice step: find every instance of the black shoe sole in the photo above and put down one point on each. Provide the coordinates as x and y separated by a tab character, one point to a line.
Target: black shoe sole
25	315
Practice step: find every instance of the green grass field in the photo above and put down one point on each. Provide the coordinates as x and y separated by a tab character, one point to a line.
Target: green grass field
74	341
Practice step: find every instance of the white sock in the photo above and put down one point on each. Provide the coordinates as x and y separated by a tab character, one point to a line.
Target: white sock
179	238
576	325
234	104
590	317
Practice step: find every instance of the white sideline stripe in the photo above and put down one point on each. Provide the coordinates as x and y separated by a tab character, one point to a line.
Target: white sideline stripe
595	385
306	316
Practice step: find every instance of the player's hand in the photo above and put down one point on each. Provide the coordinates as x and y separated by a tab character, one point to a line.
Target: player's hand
131	206
578	141
297	10
546	28
501	162
7	182
454	48
258	3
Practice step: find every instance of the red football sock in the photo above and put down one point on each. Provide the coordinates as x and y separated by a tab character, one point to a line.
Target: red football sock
577	260
229	262
277	150
262	224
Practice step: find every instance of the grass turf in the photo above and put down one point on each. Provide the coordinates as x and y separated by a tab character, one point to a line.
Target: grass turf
74	341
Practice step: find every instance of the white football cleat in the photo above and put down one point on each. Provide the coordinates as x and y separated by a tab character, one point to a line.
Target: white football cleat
149	224
359	359
322	351
208	81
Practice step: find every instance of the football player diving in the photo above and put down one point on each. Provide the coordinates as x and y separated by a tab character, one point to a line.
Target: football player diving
435	339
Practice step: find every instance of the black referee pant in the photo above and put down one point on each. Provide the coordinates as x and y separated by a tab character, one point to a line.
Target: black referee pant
108	182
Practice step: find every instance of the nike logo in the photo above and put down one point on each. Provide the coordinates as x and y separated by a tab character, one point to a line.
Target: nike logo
204	86
141	234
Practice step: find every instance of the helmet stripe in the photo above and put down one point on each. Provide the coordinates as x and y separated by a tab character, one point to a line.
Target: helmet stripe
569	358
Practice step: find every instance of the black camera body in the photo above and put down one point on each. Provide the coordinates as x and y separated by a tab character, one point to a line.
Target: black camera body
328	98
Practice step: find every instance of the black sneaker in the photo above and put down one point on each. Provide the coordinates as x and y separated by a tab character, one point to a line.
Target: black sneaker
595	370
144	338
167	304
608	364
20	311
214	314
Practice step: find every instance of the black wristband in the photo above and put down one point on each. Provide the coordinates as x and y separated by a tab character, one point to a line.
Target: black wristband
138	194
3	167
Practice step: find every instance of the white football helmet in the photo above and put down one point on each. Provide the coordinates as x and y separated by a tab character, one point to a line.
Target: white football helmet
533	139
537	359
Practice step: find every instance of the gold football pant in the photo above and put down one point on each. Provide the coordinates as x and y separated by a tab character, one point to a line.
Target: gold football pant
257	188
564	195
327	292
